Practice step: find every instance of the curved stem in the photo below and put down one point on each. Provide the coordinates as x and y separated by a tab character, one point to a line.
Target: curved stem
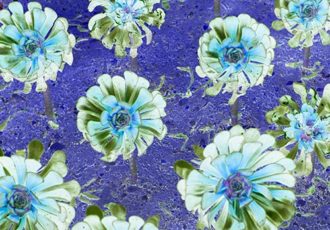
133	167
306	61
49	109
217	8
234	112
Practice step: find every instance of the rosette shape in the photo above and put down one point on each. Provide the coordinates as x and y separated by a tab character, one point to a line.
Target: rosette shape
121	114
240	182
34	45
303	127
235	55
96	220
123	23
35	196
304	19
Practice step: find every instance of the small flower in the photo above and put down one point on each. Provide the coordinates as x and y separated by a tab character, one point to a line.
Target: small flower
240	183
236	53
120	115
96	220
122	22
304	19
34	196
34	45
304	128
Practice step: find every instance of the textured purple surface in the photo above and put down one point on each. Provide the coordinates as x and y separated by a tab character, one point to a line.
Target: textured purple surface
197	117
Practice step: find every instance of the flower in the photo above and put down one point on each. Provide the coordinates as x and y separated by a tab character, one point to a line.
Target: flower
120	115
236	53
34	196
304	128
121	23
304	19
117	221
240	184
34	45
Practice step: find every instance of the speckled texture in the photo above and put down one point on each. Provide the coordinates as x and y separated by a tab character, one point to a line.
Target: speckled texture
197	117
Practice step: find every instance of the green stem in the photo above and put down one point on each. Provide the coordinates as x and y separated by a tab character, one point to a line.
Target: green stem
134	64
306	61
217	8
234	113
49	110
133	167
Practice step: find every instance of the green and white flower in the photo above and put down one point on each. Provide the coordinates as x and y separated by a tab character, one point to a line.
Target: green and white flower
121	114
304	19
33	196
96	220
240	182
235	55
303	127
123	22
34	45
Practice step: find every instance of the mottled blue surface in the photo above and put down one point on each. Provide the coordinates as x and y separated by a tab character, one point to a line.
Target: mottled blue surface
197	117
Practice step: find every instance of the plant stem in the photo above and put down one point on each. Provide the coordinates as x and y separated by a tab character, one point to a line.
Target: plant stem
133	167
217	8
234	113
134	64
307	55
49	110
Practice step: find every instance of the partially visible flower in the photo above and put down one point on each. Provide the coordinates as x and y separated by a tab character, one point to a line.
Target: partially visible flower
96	220
235	54
122	22
241	183
34	196
34	45
304	128
304	19
121	114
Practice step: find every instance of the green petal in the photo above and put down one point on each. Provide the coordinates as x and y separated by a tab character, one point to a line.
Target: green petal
117	210
35	150
183	168
94	210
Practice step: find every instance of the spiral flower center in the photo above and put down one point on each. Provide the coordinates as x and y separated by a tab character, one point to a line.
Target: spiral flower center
234	55
237	186
121	119
309	10
20	200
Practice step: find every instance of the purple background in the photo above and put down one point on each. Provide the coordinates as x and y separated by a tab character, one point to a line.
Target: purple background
172	46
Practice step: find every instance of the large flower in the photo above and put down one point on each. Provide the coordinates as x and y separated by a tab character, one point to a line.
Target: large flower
121	114
34	45
304	19
122	22
35	197
240	184
304	128
95	220
236	53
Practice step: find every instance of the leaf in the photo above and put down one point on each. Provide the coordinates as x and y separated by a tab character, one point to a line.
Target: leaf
117	210
154	220
287	100
322	149
278	115
304	165
2	153
35	150
4	124
214	90
56	163
183	168
293	152
278	25
301	90
198	151
94	210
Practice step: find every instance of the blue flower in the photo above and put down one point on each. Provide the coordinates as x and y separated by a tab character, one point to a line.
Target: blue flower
35	197
307	128
34	45
120	115
304	19
235	54
240	182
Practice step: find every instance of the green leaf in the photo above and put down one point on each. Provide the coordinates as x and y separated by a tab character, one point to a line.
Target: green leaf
325	37
282	142
117	210
278	25
214	90
198	151
293	152
321	149
301	90
94	210
4	124
275	133
183	168
57	164
154	220
2	153
278	115
35	150
304	165
166	4
287	100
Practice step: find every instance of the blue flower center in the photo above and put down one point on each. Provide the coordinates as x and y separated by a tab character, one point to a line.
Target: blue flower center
234	55
237	186
20	200
308	10
30	47
121	119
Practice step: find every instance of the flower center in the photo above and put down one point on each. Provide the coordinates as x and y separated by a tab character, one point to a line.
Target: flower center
234	55
20	200
237	186
30	47
121	119
309	11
